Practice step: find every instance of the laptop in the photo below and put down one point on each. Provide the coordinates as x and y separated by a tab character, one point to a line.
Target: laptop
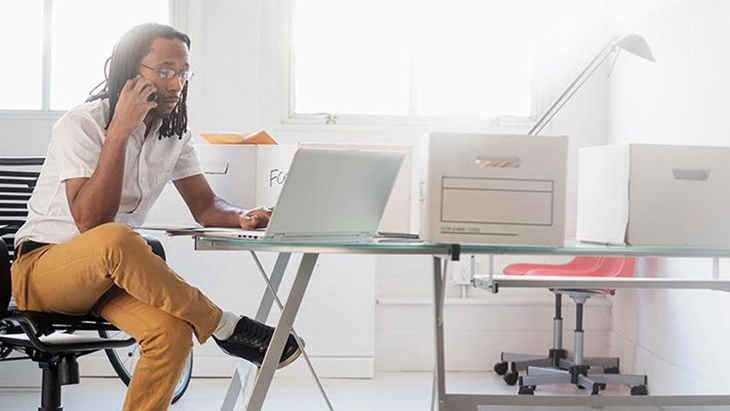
336	195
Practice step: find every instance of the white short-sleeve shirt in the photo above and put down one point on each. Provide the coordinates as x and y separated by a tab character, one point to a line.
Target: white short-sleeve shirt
73	152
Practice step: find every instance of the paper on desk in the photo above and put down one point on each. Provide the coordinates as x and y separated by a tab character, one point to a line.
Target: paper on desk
173	231
259	137
194	230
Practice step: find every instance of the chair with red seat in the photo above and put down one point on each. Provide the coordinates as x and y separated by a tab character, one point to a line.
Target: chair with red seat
556	367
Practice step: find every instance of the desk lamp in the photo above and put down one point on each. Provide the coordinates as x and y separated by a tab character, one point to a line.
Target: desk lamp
633	43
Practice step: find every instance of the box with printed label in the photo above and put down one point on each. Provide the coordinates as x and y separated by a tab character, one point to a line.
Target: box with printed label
498	189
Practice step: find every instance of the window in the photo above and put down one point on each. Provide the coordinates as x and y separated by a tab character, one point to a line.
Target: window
21	28
58	73
415	58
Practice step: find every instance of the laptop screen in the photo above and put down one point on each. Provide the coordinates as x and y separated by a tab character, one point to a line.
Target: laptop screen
334	192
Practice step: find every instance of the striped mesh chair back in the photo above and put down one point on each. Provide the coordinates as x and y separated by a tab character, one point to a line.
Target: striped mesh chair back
18	177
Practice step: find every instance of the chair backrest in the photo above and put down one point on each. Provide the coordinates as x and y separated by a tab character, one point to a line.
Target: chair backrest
5	283
18	177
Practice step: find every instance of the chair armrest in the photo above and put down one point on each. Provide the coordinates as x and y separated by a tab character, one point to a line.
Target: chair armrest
156	245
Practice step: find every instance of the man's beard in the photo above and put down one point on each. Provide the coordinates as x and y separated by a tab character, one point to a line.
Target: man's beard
162	115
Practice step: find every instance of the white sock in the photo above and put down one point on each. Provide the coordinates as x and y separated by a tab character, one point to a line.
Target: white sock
226	326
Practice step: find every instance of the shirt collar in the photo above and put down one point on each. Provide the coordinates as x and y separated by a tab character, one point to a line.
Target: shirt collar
156	124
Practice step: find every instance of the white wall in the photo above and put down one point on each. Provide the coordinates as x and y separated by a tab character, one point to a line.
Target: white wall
27	136
677	337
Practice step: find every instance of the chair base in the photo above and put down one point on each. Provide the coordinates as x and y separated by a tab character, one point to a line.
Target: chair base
582	377
557	358
577	371
513	363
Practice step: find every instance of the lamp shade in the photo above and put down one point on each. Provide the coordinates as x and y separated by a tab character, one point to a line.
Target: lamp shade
635	44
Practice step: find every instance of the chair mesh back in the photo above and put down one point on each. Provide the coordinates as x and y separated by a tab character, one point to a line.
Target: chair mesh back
18	177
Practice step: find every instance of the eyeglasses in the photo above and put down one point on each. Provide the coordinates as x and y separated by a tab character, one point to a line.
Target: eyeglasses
167	74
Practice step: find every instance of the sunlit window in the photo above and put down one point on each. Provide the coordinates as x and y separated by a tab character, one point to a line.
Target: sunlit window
21	48
81	35
415	57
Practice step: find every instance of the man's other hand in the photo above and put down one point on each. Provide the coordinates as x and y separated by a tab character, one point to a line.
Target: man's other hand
256	218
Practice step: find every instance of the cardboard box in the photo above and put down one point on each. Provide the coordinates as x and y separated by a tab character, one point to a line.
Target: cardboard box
499	189
654	195
253	175
271	168
244	175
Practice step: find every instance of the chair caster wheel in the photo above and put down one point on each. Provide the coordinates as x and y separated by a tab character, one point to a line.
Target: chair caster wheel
639	390
526	390
610	370
501	367
511	377
597	388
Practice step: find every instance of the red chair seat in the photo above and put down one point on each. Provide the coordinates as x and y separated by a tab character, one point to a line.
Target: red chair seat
578	267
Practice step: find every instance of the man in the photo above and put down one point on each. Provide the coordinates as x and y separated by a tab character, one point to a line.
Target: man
107	162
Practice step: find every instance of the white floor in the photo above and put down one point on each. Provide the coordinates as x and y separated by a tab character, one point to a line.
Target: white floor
385	392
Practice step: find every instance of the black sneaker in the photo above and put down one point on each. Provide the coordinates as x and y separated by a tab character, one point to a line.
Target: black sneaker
251	339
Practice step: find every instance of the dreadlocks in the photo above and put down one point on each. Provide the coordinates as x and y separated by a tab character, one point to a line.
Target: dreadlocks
124	65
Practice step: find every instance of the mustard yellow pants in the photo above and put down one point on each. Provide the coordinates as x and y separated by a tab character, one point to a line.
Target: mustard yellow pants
111	271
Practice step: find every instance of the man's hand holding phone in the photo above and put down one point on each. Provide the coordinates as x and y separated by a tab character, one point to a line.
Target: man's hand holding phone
135	101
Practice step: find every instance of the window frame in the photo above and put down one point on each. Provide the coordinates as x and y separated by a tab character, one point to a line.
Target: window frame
288	117
178	10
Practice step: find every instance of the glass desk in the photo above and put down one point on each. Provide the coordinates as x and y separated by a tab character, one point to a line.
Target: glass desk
254	384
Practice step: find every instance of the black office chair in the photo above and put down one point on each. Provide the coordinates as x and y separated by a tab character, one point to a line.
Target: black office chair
50	339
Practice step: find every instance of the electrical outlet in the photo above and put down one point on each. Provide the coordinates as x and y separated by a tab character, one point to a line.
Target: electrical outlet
461	272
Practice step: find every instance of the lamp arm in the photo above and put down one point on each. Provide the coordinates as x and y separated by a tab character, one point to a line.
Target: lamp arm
597	60
565	100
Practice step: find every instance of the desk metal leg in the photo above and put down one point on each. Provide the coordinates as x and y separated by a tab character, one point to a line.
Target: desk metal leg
241	383
276	346
234	389
275	297
244	374
439	386
275	281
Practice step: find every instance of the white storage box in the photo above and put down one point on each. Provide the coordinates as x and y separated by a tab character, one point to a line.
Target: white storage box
272	167
244	175
499	189
654	195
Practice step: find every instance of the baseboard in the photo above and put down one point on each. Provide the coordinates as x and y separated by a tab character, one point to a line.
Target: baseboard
326	367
